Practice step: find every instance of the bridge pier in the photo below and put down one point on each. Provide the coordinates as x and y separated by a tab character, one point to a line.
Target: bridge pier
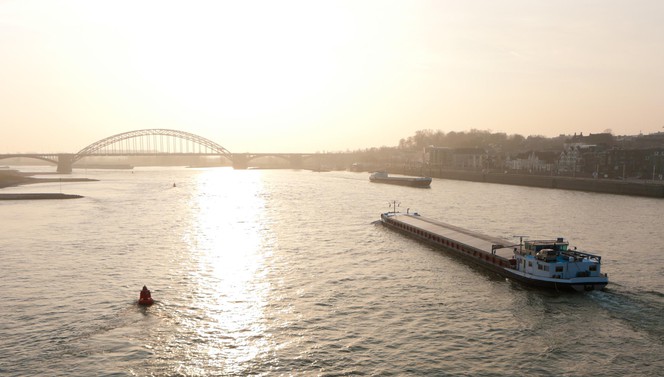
65	163
240	161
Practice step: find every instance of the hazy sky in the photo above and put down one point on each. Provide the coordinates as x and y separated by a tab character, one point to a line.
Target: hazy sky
308	76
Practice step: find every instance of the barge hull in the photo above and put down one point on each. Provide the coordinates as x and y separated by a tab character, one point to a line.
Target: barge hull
578	285
410	182
492	253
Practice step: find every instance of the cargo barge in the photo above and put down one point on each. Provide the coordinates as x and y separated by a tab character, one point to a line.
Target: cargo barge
540	263
383	177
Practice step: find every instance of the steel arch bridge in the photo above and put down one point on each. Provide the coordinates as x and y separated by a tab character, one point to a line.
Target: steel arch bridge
150	142
159	142
147	142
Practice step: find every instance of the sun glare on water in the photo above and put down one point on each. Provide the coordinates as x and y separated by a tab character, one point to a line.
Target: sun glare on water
231	289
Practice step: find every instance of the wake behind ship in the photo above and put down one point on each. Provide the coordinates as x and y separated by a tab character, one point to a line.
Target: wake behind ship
540	263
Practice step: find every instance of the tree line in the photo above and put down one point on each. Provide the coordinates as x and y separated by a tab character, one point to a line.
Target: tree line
498	141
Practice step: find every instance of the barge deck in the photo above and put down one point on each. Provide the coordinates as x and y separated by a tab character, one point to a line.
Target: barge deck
542	263
477	246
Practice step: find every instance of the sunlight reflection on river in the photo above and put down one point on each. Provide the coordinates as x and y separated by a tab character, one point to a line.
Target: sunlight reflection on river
230	268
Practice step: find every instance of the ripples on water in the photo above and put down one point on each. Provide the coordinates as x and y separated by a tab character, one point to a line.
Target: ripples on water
289	273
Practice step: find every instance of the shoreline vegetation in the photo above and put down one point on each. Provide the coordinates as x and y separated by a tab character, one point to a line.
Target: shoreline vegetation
10	178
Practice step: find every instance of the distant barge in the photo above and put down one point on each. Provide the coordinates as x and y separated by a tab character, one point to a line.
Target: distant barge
383	177
540	263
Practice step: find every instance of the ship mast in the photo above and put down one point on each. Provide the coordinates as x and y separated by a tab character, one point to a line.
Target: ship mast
394	204
521	237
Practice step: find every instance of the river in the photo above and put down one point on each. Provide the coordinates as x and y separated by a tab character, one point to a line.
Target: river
282	272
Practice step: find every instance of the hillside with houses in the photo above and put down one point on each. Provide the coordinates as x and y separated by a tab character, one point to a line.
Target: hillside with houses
602	155
595	155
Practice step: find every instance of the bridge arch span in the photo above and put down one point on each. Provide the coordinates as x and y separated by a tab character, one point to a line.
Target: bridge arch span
149	139
43	157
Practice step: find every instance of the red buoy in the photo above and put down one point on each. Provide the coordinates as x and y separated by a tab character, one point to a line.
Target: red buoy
145	298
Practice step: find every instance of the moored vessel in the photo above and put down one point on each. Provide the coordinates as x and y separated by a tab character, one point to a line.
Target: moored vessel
541	263
384	177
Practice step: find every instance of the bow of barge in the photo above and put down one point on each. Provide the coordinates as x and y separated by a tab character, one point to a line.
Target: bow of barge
541	263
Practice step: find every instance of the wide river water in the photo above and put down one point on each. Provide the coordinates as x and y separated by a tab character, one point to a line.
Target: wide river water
281	272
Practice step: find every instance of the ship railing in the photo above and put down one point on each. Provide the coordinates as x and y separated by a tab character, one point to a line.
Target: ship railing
496	246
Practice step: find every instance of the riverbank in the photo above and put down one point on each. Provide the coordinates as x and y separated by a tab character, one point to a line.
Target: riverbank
10	177
606	186
35	196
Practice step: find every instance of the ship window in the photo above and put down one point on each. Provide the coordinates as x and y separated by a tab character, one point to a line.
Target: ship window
530	264
592	267
559	268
